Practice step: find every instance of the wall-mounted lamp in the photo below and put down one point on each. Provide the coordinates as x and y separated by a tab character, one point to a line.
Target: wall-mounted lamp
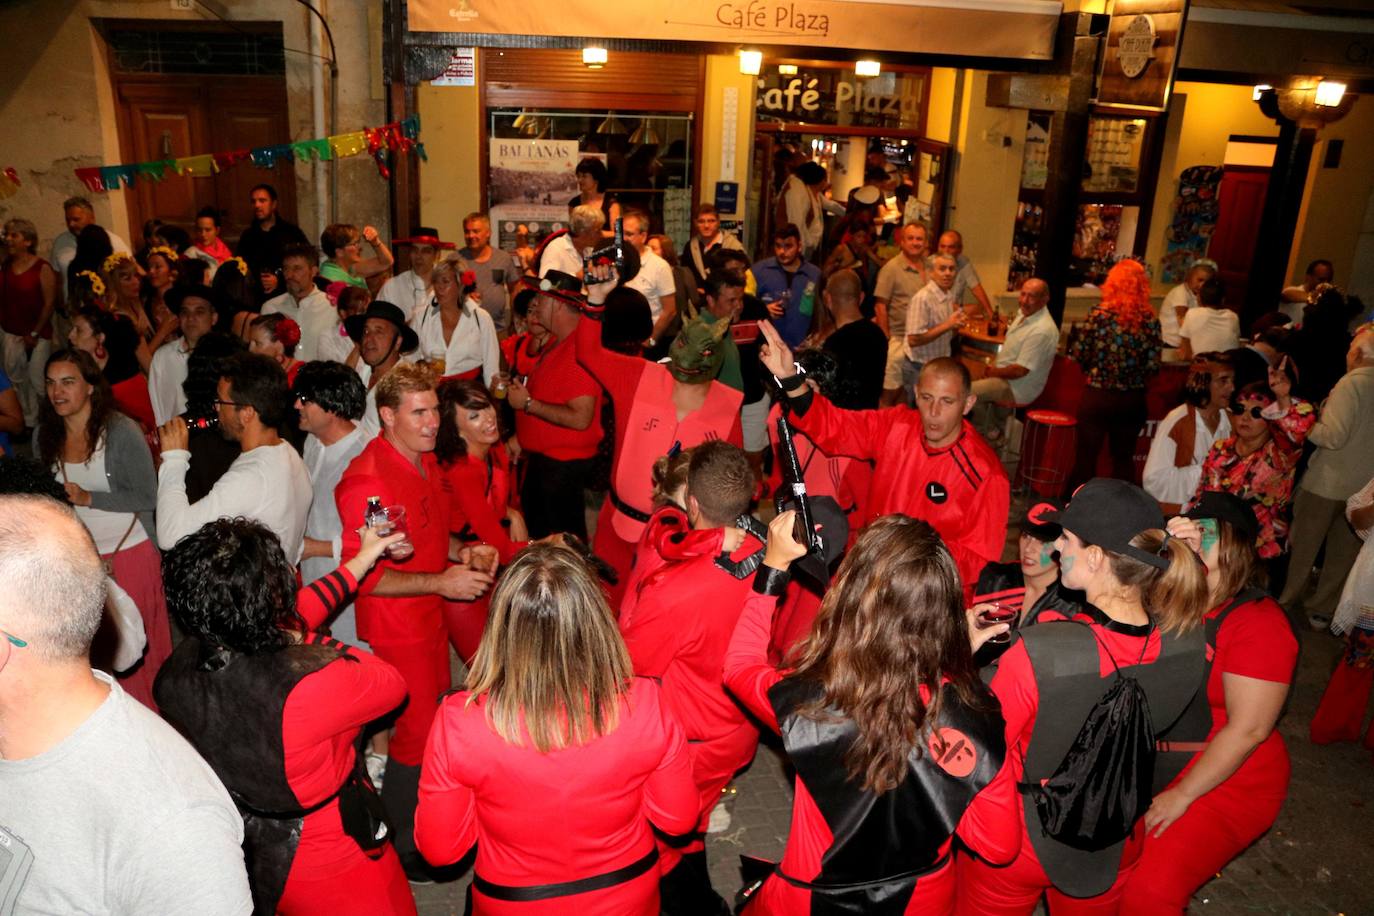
750	62
787	69
1329	94
867	68
1259	90
594	58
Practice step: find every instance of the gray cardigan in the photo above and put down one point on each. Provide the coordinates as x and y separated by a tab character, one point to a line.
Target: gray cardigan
129	469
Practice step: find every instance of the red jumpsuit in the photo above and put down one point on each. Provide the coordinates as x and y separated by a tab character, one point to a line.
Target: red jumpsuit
320	723
988	825
478	494
1254	641
961	489
407	632
1016	889
677	616
646	427
561	816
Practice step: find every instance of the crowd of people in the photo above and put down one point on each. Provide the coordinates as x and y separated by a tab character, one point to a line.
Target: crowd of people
276	490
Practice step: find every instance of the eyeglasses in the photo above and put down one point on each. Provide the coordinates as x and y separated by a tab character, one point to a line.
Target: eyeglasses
1256	413
14	640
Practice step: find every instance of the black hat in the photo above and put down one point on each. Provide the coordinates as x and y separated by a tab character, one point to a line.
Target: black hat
1109	513
178	295
354	324
559	285
1038	521
1228	508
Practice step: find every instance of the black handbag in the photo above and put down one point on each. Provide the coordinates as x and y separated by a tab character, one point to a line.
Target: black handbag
361	810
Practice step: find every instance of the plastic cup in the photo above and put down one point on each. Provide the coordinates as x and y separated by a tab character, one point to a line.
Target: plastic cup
992	616
393	521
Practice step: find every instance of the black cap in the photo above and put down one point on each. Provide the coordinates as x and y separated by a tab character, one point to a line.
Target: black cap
1038	521
1109	513
354	324
177	296
1228	508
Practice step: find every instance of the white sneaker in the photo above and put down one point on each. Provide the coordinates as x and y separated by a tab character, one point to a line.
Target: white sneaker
376	768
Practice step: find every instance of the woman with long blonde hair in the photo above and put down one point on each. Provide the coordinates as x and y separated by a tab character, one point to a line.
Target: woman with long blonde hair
554	760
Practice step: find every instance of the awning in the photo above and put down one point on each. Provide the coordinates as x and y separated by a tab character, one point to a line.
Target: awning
1013	29
1275	41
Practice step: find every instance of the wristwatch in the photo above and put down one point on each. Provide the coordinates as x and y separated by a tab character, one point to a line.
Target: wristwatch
529	402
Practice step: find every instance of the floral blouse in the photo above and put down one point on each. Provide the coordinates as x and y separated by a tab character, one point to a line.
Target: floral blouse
1114	357
1263	478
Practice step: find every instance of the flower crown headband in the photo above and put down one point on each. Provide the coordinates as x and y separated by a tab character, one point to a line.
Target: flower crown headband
239	263
166	251
116	259
97	284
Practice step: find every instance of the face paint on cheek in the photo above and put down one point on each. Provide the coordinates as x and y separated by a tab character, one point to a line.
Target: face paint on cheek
1046	553
1211	534
1065	564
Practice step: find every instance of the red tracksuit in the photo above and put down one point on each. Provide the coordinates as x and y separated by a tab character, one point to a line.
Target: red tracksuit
621	376
1015	890
320	724
407	632
1254	641
988	825
677	616
478	494
961	490
561	816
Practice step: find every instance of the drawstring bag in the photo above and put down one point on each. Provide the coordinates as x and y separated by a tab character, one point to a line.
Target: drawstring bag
1102	786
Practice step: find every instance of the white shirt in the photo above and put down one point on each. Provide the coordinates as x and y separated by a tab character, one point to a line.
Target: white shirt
929	307
314	314
1208	329
1164	481
1031	344
325	464
166	371
473	344
268	484
107	528
800	204
334	343
1178	297
406	290
654	280
64	249
561	254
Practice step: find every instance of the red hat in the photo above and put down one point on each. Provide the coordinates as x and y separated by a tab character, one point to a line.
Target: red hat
426	235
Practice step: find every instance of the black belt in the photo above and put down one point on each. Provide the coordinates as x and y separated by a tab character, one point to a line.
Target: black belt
816	887
566	888
627	509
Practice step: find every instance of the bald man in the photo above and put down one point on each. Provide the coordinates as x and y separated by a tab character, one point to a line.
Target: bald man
1018	374
929	463
106	808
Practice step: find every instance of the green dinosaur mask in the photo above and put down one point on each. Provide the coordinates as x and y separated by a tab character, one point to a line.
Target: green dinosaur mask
697	354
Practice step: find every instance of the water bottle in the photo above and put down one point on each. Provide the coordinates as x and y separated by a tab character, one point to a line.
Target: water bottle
375	516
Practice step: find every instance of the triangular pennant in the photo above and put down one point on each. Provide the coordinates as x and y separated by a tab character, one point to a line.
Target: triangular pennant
348	144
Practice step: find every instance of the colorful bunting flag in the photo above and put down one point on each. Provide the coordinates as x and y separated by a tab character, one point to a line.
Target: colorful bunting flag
348	144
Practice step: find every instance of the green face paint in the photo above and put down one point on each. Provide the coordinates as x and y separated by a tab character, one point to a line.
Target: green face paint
1211	534
1065	564
1046	553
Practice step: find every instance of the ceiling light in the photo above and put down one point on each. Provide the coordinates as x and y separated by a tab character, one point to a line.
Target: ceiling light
867	68
750	62
611	125
787	69
644	134
594	58
1259	90
1330	94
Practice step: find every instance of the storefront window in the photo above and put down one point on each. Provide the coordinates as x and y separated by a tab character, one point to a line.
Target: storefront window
1114	152
532	155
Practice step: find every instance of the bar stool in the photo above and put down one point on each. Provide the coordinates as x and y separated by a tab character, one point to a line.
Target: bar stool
1047	452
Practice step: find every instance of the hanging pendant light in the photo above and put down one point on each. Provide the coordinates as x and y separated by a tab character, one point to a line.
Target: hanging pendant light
611	125
644	134
521	119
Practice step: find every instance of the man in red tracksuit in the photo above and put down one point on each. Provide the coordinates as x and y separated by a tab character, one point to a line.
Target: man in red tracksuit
928	463
401	605
680	607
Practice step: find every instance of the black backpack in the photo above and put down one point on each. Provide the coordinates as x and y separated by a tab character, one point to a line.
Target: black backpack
1102	786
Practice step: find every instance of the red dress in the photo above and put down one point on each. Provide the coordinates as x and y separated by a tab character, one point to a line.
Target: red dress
478	493
549	818
407	632
320	723
677	615
1254	641
988	825
131	399
21	300
961	489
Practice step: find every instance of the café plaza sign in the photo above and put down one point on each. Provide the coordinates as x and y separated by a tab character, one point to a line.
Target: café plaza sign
801	96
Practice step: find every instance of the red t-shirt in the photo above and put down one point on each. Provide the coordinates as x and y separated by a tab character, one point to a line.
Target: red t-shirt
21	300
556	378
479	492
380	470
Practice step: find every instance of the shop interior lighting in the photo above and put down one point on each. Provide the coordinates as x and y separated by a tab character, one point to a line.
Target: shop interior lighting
611	125
867	68
787	69
1259	90
521	119
594	58
750	61
644	134
1329	94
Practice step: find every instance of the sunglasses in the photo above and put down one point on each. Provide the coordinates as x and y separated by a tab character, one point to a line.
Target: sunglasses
14	640
1255	412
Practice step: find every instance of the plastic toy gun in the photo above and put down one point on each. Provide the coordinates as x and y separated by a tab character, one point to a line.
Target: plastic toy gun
614	253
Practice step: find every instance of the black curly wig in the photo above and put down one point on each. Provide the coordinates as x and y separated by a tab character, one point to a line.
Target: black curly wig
333	386
230	585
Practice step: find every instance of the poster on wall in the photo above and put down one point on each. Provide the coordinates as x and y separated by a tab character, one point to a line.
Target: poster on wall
1194	220
529	184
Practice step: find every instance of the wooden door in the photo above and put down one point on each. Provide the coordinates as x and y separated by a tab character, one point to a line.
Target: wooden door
167	117
1240	203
